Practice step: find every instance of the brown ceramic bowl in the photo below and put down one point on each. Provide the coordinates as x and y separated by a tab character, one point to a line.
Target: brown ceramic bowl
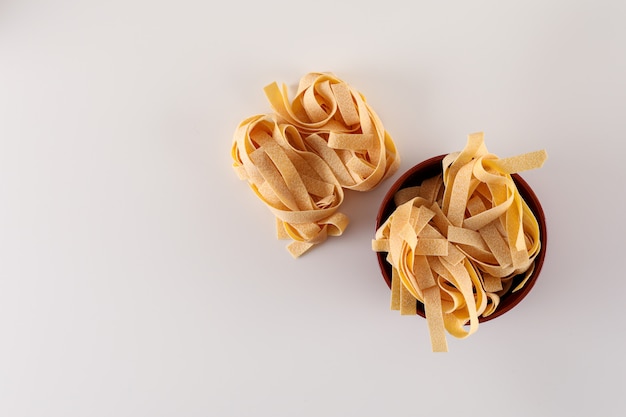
432	167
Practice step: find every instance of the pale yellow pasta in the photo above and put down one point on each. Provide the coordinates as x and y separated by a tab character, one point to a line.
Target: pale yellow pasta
299	159
456	248
328	107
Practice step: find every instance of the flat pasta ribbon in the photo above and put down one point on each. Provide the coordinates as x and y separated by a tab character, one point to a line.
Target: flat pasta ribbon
331	109
298	160
456	241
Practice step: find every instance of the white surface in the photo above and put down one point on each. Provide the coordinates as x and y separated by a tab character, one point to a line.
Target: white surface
140	277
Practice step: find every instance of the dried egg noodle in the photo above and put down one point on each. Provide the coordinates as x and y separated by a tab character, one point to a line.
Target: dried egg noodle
355	143
299	159
456	241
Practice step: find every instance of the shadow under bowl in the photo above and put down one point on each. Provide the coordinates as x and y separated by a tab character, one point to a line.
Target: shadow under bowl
432	167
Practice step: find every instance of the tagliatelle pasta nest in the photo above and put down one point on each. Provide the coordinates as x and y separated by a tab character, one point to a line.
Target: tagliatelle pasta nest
299	159
456	241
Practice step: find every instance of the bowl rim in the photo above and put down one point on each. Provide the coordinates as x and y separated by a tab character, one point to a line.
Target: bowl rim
507	301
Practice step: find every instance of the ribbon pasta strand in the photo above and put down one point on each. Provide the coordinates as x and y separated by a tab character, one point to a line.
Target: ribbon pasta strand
327	106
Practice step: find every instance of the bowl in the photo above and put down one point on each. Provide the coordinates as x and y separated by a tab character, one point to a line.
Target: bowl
432	167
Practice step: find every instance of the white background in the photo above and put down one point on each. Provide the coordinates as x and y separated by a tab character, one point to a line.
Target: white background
140	277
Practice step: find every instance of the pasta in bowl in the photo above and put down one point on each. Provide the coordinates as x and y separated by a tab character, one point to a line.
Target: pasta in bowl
461	239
